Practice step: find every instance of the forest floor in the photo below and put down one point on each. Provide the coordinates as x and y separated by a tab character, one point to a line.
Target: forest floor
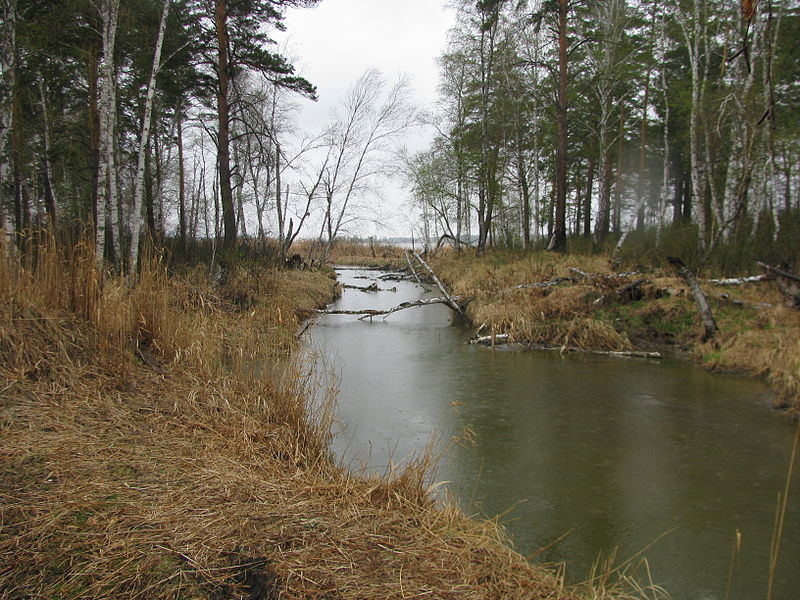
758	334
146	455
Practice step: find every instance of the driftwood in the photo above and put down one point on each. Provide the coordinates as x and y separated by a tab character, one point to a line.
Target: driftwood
359	268
627	353
373	287
788	283
450	302
627	293
727	298
491	340
738	280
709	324
369	313
303	328
504	338
585	275
543	284
414	272
394	276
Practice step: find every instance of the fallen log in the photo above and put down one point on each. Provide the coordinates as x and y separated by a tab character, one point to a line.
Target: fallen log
625	353
394	276
543	284
414	272
372	287
727	298
585	275
627	293
491	340
452	303
369	313
706	316
788	283
503	338
738	280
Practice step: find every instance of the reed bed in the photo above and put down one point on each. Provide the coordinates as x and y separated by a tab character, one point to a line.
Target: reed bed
354	252
758	335
139	461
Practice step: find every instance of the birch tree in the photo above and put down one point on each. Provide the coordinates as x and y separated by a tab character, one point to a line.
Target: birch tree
8	52
107	176
138	184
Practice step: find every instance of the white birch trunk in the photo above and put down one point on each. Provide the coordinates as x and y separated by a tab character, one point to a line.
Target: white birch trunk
138	184
693	33
8	65
106	184
48	169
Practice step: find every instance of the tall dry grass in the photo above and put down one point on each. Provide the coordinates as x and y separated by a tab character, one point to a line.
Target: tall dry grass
138	461
758	334
352	252
558	315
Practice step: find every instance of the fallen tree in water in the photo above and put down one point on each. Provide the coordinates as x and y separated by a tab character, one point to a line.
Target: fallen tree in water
501	339
368	313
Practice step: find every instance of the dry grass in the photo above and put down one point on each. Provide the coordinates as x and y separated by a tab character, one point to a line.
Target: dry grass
353	252
136	464
765	345
586	314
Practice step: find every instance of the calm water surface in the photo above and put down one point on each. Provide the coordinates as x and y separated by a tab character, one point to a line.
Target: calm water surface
625	454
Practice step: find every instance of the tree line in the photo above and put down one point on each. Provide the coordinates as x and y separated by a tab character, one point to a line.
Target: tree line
122	120
585	121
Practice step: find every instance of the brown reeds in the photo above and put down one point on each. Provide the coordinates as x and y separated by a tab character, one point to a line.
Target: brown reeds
758	336
139	461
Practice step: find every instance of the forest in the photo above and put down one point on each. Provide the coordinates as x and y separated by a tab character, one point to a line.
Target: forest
563	124
676	121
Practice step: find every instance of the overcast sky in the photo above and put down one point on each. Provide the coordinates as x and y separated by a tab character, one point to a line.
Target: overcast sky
336	41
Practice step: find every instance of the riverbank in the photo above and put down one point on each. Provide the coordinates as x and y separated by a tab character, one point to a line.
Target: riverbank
584	309
141	457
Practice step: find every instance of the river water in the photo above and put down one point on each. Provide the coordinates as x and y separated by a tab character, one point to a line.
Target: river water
601	454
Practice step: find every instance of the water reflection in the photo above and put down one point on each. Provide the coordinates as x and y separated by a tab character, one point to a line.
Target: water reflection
616	451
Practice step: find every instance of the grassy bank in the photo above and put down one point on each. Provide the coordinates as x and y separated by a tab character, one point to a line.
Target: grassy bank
589	314
139	461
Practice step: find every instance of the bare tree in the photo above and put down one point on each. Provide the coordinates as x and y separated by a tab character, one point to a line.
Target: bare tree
359	143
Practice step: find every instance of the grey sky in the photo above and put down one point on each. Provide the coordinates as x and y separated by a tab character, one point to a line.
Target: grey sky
336	41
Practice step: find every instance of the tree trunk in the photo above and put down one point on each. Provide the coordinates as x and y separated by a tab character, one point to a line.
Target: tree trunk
181	181
47	172
559	242
223	131
587	199
106	184
8	54
709	324
144	138
641	184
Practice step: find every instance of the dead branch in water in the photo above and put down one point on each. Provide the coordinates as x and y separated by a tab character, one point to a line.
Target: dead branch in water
452	303
368	313
373	287
503	338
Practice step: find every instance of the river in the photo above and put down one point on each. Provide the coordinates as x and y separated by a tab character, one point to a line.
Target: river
584	454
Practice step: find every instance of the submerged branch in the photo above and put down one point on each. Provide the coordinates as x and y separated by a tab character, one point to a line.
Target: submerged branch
371	312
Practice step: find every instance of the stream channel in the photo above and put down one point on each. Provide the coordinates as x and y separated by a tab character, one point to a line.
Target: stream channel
622	454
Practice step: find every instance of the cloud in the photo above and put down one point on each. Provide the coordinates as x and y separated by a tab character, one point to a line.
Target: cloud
337	40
